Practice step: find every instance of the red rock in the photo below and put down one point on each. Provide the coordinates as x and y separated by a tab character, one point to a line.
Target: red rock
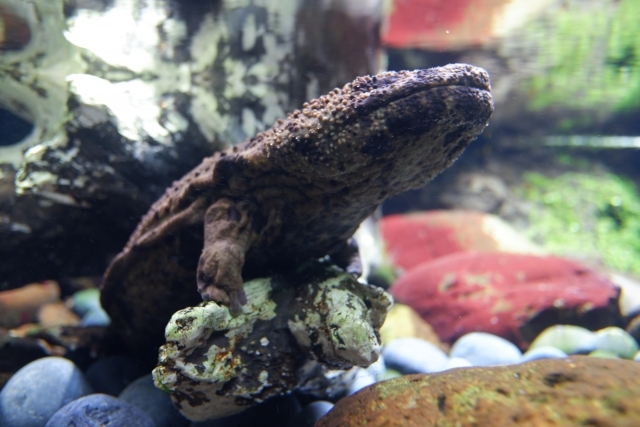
412	239
454	24
510	295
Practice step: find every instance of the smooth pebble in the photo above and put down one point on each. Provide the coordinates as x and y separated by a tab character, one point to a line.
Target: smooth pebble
144	395
413	356
569	338
456	362
311	413
543	352
362	379
110	375
275	412
34	393
100	410
377	368
86	300
617	341
95	317
483	349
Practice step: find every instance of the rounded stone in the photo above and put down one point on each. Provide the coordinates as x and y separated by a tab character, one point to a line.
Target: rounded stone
144	395
543	352
95	317
311	413
617	341
362	379
38	390
110	375
456	362
275	412
86	300
100	410
377	368
413	356
482	349
569	338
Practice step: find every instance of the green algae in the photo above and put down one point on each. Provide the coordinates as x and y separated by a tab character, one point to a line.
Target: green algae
594	215
589	56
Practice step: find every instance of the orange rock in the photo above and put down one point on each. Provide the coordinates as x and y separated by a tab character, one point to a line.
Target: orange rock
576	391
19	306
57	314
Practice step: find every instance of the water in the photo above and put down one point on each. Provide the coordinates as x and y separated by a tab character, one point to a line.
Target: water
104	104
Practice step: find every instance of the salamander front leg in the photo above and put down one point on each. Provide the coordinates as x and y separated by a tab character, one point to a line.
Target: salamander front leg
227	236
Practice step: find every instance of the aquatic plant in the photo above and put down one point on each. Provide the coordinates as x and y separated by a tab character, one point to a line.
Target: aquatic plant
589	56
586	214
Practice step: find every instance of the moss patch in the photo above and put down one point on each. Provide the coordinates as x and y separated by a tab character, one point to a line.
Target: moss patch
592	215
590	57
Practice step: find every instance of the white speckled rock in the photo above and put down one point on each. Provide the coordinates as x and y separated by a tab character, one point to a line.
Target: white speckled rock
215	364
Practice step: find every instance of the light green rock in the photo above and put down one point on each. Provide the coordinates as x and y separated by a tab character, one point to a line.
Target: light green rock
604	354
616	341
568	338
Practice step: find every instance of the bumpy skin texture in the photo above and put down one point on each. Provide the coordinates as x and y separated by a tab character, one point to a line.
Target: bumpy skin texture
295	191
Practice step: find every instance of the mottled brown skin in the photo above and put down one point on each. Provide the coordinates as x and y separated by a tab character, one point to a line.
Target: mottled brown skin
296	191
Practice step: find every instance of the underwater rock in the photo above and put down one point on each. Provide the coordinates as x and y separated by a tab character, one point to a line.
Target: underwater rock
482	349
56	314
215	364
20	306
578	390
510	295
38	390
404	322
415	238
124	96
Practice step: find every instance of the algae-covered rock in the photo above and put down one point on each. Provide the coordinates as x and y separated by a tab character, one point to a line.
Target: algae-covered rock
216	364
578	390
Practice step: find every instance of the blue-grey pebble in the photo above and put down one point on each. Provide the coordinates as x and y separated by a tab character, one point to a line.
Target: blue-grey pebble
86	300
278	411
456	362
413	356
95	317
38	390
483	349
100	410
377	368
110	375
144	395
543	352
311	413
361	379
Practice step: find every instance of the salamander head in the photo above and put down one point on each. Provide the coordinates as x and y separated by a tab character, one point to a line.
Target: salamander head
407	126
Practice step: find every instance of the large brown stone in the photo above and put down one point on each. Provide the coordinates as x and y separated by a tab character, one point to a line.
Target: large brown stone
577	391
